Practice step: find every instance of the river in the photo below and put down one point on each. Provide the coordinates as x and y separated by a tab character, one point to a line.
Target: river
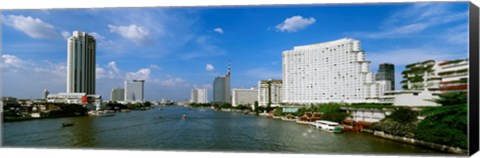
203	130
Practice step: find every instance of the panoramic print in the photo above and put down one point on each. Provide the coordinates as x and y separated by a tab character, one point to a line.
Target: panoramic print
385	78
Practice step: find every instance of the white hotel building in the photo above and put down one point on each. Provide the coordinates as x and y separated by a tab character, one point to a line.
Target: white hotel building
334	71
244	97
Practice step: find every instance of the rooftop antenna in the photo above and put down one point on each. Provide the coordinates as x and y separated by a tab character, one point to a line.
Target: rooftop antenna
228	72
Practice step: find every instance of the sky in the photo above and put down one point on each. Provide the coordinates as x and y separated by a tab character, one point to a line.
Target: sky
176	49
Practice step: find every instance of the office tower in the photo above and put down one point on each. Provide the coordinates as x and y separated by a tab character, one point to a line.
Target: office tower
269	90
221	88
45	94
244	96
117	94
386	71
199	96
334	71
134	91
81	63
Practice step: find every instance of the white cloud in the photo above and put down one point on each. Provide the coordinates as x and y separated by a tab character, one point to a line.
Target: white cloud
153	66
33	27
11	61
209	67
414	19
207	86
142	74
218	30
137	34
404	56
174	82
97	36
206	48
65	34
112	65
457	34
295	23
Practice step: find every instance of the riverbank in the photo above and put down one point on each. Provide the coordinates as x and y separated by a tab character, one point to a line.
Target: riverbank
382	135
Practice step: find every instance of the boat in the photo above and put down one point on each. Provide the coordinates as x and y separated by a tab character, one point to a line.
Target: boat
67	124
327	126
184	117
102	113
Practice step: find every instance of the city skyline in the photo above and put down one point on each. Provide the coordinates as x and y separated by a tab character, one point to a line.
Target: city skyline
156	47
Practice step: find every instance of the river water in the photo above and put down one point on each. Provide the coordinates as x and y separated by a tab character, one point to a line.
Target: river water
203	130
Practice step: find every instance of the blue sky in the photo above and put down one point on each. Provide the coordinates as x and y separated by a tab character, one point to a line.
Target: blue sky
177	49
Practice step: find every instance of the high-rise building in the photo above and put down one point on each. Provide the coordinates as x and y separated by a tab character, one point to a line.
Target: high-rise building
199	96
81	63
244	96
117	94
269	90
134	91
334	71
386	71
45	94
221	88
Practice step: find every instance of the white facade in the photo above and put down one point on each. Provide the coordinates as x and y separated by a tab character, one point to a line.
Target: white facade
199	96
334	71
383	86
244	96
72	98
276	92
366	115
134	91
81	62
117	94
417	98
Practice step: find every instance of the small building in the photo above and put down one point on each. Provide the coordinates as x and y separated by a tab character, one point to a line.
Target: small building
413	98
76	98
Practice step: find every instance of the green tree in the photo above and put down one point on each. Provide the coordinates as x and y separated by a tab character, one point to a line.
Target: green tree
401	122
147	104
452	98
278	112
444	125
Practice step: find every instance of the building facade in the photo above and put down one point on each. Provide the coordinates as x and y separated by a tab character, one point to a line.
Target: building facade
270	90
383	86
454	75
117	94
134	91
81	62
386	72
45	94
221	88
199	96
244	97
333	71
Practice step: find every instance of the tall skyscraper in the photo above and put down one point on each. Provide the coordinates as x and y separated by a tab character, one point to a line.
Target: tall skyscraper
134	91
221	88
199	96
45	94
81	63
117	94
386	71
334	71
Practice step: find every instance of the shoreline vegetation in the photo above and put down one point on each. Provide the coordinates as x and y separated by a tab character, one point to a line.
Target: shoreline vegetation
442	128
